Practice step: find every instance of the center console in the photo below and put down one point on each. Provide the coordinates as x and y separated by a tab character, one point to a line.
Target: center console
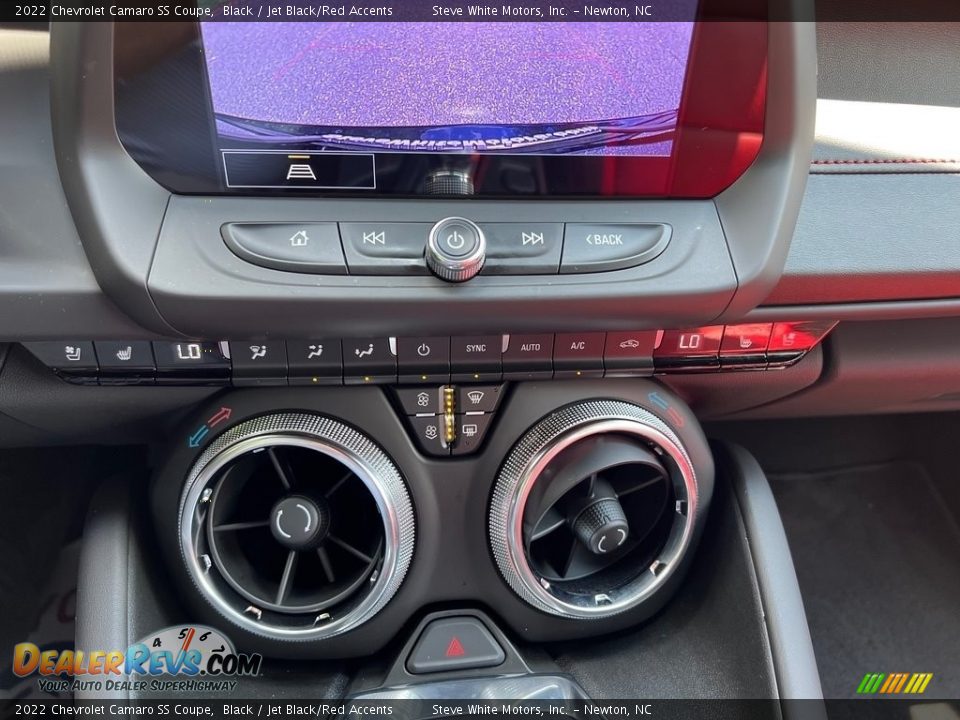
434	311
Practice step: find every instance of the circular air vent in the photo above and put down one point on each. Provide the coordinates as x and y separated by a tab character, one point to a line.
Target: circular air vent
593	510
296	526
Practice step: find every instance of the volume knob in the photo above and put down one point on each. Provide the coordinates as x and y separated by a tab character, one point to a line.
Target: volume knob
456	249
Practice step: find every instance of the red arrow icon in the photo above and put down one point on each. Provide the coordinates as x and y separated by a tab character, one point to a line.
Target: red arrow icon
218	417
455	648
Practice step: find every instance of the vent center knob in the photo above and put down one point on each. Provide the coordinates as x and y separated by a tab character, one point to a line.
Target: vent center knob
299	522
602	526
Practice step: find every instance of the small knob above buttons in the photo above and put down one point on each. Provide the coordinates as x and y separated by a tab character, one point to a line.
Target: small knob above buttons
456	249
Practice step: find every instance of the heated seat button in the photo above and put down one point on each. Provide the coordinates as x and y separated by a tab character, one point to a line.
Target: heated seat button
790	341
528	357
259	362
744	346
294	247
798	336
73	360
522	248
69	354
385	248
578	355
369	360
454	644
589	247
125	363
315	362
629	353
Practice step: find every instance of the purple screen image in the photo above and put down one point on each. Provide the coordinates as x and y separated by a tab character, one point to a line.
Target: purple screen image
551	87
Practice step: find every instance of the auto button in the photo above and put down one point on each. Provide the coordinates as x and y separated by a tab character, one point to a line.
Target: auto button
528	357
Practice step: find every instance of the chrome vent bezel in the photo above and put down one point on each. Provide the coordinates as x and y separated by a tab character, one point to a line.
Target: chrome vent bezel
523	467
334	439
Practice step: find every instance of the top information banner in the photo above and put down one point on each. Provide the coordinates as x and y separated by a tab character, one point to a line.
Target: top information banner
12	11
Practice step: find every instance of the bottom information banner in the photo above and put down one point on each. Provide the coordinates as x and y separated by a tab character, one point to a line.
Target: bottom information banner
429	708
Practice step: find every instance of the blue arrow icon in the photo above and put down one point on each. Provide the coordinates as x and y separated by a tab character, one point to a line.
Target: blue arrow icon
658	400
198	436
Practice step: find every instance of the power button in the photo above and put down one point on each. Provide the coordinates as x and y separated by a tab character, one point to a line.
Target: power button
455	249
458	237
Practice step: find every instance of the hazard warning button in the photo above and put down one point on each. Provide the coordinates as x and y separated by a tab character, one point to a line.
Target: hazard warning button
455	643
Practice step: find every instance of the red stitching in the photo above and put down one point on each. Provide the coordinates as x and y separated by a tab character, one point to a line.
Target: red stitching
888	161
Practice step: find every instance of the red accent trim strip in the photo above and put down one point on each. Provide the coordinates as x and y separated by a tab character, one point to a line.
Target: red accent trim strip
888	161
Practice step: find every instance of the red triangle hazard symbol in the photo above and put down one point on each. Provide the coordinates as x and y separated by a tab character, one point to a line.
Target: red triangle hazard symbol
455	648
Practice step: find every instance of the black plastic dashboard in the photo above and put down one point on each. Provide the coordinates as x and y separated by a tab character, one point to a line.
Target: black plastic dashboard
178	322
119	212
860	251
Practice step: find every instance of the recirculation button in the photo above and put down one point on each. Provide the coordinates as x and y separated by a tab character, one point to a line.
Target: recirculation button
591	247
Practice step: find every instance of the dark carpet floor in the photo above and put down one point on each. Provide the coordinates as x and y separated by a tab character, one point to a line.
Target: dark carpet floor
877	555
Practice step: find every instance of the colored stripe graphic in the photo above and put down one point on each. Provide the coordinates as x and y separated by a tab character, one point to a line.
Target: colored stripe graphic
903	679
870	683
890	682
894	683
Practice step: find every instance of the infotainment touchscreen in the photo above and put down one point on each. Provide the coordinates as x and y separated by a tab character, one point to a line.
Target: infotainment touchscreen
564	88
549	108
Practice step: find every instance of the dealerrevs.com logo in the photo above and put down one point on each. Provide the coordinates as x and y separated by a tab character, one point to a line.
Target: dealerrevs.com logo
180	651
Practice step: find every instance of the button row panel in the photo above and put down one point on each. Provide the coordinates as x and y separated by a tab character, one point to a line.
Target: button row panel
433	360
397	248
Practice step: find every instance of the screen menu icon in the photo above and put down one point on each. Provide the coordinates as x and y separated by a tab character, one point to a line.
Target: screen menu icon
285	170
